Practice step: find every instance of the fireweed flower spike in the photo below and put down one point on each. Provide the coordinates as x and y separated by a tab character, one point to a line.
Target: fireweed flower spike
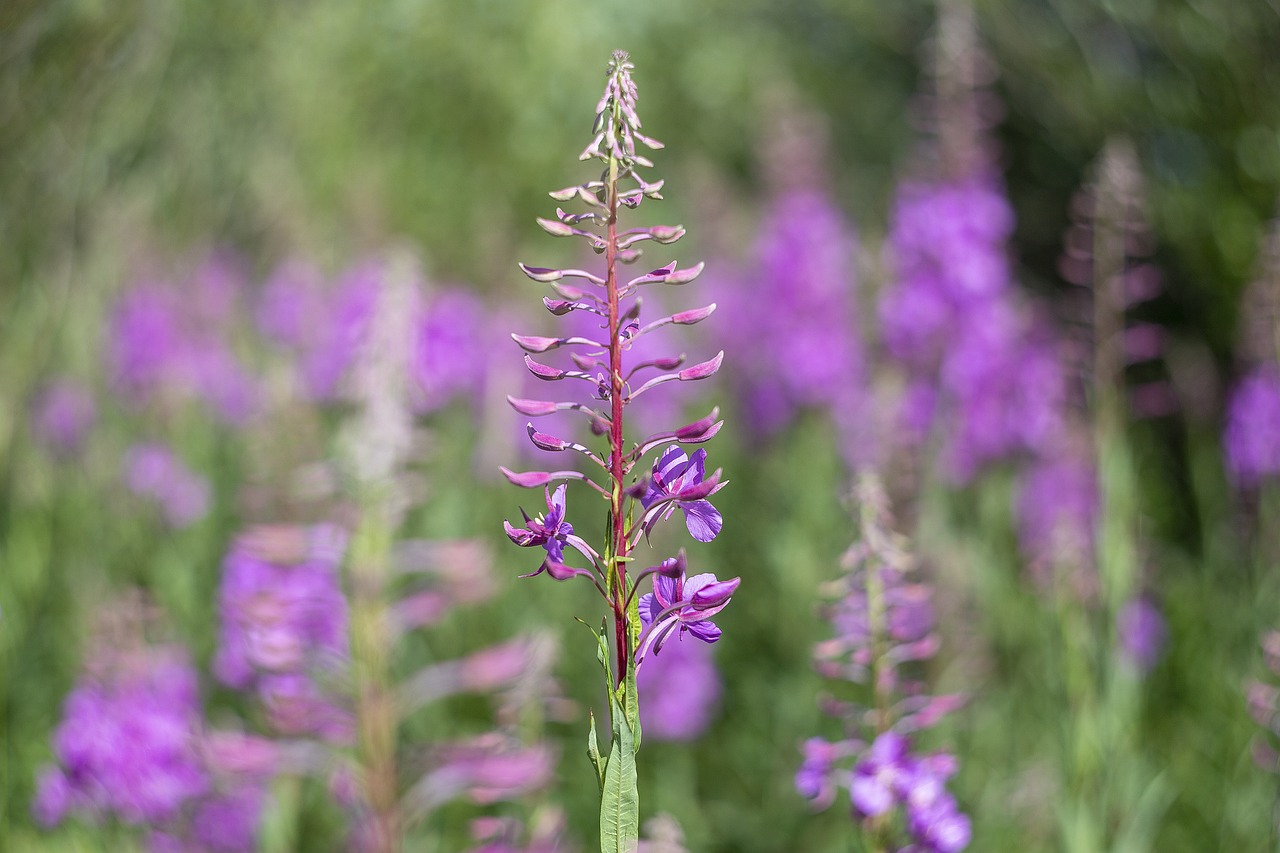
602	361
883	625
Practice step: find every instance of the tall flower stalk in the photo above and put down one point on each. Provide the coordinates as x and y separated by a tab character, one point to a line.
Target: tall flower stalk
641	625
884	627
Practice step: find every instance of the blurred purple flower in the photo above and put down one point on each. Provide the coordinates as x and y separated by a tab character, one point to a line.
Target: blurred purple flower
1251	440
816	778
1057	507
145	340
332	349
679	692
293	305
948	246
154	472
62	415
800	296
878	776
164	339
981	374
450	359
126	744
284	619
1142	632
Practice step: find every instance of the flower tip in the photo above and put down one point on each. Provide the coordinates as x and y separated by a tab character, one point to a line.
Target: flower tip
715	594
702	370
527	479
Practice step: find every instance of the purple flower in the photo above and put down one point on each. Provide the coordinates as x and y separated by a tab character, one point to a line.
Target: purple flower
293	305
153	471
126	745
982	374
332	349
551	531
1142	632
878	777
449	358
799	296
679	692
1251	440
61	416
677	605
678	480
1057	506
816	778
145	339
284	618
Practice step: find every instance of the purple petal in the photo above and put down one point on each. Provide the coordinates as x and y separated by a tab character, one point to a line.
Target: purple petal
535	343
703	370
556	501
698	429
705	631
665	590
693	315
649	609
671	464
714	595
544	441
870	797
532	408
703	520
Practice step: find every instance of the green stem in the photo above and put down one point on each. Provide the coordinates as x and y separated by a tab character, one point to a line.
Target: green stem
375	705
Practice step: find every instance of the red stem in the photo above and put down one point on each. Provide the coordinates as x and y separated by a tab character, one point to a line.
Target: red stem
618	545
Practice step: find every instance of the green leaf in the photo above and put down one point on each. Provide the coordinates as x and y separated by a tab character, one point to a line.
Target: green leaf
593	750
620	800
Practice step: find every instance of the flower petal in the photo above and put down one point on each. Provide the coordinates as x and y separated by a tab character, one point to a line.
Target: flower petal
704	630
703	520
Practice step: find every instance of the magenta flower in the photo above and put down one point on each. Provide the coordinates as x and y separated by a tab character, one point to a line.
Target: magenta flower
680	692
1142	632
880	773
1253	425
680	481
677	605
62	415
550	531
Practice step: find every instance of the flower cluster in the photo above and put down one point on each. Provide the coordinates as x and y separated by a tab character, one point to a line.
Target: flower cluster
612	328
798	296
323	325
603	358
974	361
176	340
883	623
131	746
284	621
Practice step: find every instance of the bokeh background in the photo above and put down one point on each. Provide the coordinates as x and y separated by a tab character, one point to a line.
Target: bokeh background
201	201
